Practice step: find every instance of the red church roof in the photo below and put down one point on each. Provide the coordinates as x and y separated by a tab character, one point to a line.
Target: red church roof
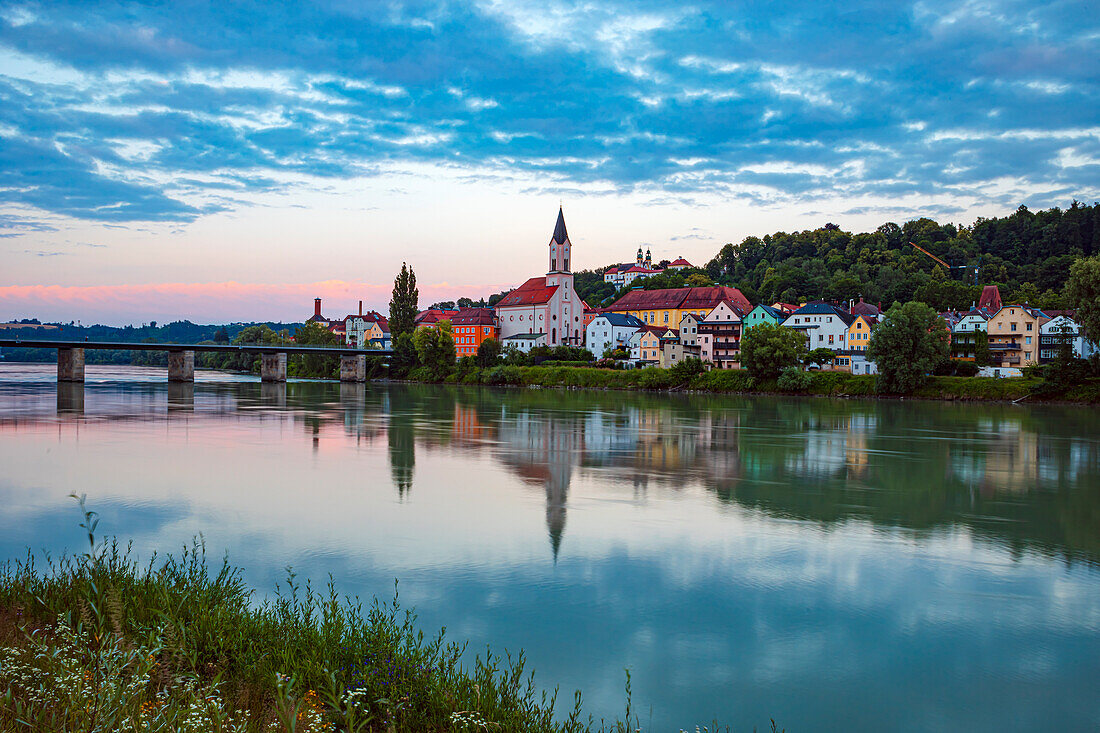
533	292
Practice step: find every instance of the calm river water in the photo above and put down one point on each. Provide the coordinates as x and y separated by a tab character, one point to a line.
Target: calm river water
831	564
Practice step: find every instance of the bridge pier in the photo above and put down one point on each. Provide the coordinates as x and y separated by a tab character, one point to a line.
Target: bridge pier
181	366
353	368
273	367
70	365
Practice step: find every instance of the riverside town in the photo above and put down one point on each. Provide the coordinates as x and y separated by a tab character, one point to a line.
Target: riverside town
417	366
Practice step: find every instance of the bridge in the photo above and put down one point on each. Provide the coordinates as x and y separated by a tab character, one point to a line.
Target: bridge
181	357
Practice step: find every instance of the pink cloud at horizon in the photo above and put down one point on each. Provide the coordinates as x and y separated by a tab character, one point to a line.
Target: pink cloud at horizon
223	302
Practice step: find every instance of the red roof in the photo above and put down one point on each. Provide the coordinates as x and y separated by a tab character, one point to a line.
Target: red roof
434	315
648	271
474	317
703	299
533	292
680	261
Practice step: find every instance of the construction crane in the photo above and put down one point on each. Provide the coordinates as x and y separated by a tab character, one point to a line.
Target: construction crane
947	266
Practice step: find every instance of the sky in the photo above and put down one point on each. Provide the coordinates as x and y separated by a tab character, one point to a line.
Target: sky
226	162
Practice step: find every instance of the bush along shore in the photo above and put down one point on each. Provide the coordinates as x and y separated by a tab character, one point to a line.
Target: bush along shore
814	383
97	642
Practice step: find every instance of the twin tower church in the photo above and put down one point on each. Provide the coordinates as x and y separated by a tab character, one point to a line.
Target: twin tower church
546	306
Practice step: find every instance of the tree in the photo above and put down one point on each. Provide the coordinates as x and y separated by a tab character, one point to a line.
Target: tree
435	348
316	365
444	305
819	356
221	336
768	349
1083	291
404	355
488	352
907	346
404	304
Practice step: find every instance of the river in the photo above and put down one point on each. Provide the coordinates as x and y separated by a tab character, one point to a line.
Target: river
851	565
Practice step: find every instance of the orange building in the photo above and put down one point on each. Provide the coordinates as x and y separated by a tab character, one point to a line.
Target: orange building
471	326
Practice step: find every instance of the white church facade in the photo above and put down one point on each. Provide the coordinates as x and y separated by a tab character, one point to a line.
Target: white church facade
547	305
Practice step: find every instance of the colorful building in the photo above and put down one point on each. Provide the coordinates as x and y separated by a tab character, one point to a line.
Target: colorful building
859	332
762	314
1014	335
722	326
471	326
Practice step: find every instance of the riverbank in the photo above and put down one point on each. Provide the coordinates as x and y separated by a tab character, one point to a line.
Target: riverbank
97	642
827	384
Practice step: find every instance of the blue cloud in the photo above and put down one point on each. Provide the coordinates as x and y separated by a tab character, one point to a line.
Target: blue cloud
116	113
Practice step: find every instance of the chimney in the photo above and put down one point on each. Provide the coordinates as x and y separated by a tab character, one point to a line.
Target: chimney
360	307
317	307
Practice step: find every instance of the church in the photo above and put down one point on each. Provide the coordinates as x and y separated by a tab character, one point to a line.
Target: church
547	305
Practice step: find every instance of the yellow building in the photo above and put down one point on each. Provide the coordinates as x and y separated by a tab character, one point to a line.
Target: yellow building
859	333
1014	335
667	307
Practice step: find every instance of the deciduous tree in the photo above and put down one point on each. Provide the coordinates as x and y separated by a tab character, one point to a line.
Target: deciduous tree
1083	291
907	346
768	349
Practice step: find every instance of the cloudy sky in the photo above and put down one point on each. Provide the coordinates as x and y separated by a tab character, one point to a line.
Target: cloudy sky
232	162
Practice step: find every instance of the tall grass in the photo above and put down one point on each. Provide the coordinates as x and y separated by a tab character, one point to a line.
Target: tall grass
97	642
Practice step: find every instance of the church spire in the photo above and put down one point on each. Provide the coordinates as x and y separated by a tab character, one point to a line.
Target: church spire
559	246
560	235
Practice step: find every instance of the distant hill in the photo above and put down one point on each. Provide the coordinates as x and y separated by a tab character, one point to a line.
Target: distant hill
180	332
1027	254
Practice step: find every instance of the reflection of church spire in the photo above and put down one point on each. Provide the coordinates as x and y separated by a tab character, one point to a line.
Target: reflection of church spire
556	496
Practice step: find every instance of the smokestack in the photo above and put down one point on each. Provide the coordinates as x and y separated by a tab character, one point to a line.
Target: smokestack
360	307
317	307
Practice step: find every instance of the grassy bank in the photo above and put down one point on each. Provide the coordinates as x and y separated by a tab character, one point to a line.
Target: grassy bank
836	384
99	643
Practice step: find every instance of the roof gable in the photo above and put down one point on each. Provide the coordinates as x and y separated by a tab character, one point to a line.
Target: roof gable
533	292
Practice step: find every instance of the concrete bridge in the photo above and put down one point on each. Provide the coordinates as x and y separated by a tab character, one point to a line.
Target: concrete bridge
181	357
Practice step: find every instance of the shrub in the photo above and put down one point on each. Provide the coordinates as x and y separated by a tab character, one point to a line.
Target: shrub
794	379
685	370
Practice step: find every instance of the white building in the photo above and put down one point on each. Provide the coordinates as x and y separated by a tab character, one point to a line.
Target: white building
826	325
973	321
1059	329
546	305
610	331
524	341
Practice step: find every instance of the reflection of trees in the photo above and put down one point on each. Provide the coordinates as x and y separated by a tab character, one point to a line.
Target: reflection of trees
1026	478
401	434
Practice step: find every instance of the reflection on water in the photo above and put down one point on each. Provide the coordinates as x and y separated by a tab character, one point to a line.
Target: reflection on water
866	564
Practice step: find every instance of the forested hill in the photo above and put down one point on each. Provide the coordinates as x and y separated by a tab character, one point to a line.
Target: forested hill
1027	254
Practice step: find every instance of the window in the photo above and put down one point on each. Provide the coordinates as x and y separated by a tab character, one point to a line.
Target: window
1027	339
1029	326
1012	326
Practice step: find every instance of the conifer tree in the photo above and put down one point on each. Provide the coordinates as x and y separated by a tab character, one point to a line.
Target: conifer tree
404	304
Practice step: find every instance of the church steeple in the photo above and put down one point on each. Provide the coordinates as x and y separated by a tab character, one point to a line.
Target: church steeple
560	246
